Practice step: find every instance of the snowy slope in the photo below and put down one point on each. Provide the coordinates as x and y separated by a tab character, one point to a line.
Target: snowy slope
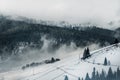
71	66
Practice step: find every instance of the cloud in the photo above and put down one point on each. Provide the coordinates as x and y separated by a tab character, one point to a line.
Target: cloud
74	11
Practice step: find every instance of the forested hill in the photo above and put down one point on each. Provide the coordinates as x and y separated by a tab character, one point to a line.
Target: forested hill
13	32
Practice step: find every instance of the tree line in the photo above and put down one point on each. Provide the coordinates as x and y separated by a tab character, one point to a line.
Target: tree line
110	75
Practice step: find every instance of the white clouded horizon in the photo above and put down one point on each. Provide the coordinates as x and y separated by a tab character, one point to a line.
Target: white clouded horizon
98	12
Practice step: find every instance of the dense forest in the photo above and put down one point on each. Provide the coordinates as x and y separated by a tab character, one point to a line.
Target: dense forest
13	32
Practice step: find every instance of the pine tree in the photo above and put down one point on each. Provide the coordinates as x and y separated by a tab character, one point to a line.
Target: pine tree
115	75
118	73
102	76
110	74
79	78
105	61
82	79
87	77
93	74
66	77
97	76
86	53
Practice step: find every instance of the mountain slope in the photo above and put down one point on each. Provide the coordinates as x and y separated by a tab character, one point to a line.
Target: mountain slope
71	66
13	33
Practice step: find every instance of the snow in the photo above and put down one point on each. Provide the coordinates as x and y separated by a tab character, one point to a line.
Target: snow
71	66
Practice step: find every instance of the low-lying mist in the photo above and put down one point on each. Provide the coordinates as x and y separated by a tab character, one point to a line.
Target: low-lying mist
30	55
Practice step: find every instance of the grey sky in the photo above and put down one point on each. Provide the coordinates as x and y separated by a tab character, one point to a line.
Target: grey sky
98	12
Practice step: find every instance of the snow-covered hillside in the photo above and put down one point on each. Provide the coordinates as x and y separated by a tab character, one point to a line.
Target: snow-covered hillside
72	66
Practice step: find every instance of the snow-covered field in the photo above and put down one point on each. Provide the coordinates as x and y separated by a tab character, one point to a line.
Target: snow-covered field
71	66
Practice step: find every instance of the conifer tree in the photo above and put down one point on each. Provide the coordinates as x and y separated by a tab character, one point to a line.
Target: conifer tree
87	77
118	73
66	77
86	53
79	78
82	79
93	74
105	61
110	74
102	75
97	76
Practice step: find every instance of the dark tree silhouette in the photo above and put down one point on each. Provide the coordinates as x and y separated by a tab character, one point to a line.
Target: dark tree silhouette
97	76
105	61
87	77
110	74
86	53
93	74
79	78
82	79
66	78
102	75
52	60
118	74
116	41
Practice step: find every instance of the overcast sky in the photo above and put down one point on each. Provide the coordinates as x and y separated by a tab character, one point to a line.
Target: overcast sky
98	12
